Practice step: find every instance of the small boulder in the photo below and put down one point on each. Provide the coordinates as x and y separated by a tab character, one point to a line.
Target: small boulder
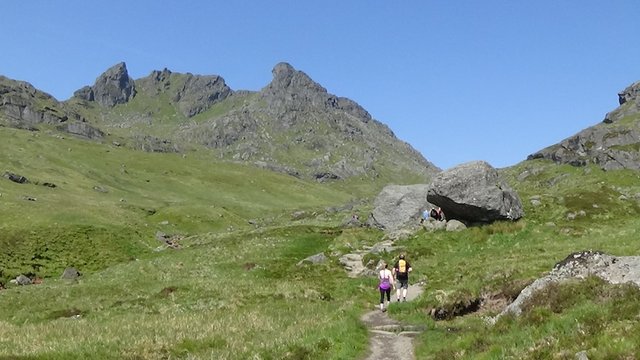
23	280
70	273
314	259
15	178
455	225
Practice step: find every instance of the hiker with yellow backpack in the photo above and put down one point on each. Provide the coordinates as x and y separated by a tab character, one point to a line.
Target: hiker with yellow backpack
401	271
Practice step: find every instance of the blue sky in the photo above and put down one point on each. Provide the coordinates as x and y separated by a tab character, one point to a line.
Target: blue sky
458	80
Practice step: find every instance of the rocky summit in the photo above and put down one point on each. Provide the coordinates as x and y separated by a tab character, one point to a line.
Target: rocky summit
292	125
612	144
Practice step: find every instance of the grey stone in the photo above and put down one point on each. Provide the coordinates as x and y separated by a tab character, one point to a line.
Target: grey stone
455	225
81	129
474	192
15	177
398	206
111	88
23	280
582	355
433	225
70	273
23	106
612	269
319	258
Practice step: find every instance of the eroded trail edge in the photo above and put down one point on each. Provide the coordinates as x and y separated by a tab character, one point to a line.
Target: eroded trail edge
388	338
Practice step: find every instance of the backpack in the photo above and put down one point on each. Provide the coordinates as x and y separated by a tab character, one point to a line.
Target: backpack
402	267
385	284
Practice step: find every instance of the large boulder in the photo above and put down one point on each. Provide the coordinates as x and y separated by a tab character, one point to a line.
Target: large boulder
474	192
399	205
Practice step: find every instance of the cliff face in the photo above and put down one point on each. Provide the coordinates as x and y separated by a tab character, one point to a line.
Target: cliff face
25	107
612	144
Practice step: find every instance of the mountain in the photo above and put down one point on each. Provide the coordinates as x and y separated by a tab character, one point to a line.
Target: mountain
292	125
612	144
24	107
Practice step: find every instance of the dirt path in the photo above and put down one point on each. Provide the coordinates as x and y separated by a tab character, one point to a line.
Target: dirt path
390	339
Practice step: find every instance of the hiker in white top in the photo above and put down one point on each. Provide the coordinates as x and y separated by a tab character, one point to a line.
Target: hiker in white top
386	283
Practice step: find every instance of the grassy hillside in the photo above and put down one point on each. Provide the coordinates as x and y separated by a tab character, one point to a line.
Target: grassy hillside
108	202
580	209
233	290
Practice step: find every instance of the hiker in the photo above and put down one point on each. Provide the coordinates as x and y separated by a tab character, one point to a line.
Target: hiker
437	214
386	283
401	271
425	216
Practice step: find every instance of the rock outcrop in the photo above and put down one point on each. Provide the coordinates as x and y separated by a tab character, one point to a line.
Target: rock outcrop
612	269
113	87
81	129
474	192
318	135
292	125
191	94
294	90
23	106
612	144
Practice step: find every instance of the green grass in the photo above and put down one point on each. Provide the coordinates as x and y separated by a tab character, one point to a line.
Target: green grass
500	259
233	289
109	202
229	298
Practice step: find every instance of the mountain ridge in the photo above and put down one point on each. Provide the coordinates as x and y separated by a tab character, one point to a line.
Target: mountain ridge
612	144
292	125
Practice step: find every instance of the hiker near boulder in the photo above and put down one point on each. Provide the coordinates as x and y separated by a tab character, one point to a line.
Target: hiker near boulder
437	214
385	285
401	271
425	216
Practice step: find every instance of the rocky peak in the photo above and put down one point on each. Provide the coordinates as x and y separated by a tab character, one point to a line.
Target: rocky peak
199	93
630	93
287	79
113	87
612	144
629	100
291	89
161	76
192	94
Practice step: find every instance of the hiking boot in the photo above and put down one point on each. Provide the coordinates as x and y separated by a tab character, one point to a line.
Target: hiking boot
384	310
404	299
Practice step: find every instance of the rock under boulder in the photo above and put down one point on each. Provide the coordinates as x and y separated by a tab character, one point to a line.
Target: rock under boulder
474	192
